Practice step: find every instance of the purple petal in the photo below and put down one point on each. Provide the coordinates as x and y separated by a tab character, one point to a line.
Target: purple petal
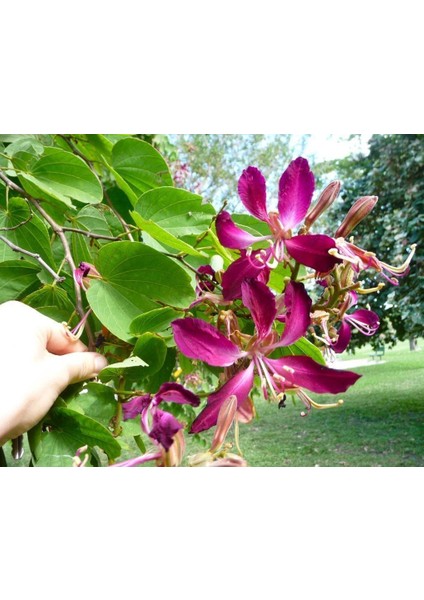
205	284
135	406
206	270
298	317
246	267
343	340
199	340
302	371
312	251
232	236
366	321
174	392
295	192
252	192
239	386
259	299
165	426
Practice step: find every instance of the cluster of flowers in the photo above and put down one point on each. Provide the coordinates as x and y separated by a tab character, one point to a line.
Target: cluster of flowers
333	264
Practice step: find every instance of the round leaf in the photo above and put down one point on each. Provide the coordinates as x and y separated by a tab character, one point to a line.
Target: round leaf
140	165
134	279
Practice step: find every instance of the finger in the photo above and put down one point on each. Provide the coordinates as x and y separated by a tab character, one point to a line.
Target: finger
23	323
78	366
59	340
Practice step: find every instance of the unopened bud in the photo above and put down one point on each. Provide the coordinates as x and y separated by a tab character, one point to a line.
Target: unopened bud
226	415
326	199
357	212
229	460
174	456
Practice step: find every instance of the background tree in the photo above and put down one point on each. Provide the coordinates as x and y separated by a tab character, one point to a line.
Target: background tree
211	165
394	171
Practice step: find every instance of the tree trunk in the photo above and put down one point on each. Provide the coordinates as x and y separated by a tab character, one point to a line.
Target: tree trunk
412	343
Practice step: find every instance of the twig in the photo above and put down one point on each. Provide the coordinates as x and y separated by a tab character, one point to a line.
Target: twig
18	225
117	215
181	259
37	257
96	236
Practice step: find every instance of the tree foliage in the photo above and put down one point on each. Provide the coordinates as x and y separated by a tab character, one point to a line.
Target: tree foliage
394	171
211	165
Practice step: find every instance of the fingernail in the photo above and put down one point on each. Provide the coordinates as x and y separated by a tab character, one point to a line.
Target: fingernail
99	363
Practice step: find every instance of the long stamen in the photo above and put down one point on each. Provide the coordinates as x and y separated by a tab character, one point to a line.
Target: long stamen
364	328
323	406
400	270
271	384
377	288
263	379
356	261
308	402
76	332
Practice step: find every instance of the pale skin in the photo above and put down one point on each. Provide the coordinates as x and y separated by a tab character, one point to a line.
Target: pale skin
38	360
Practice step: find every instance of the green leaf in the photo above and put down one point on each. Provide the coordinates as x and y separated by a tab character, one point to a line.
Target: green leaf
42	191
16	276
80	249
156	320
177	211
120	368
29	233
123	185
130	285
90	218
53	302
302	347
96	401
140	165
70	431
63	176
251	225
151	349
163	236
95	147
153	382
277	277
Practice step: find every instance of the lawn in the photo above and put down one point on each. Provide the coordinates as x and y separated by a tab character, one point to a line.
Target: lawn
380	424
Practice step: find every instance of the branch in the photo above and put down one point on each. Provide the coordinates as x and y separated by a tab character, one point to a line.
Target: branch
90	166
96	236
61	234
37	257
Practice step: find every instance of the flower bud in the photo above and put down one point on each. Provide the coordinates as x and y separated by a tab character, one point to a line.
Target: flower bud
357	212
229	460
226	415
326	199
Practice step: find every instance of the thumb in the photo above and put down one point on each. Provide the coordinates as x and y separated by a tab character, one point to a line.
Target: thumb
78	366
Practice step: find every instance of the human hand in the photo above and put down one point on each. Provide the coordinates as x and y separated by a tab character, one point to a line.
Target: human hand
37	362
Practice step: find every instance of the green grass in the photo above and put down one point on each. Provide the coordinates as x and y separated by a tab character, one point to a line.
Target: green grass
380	423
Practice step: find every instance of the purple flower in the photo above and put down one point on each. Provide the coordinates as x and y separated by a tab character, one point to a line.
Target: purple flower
83	272
251	265
312	250
362	259
295	191
204	342
159	425
365	321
